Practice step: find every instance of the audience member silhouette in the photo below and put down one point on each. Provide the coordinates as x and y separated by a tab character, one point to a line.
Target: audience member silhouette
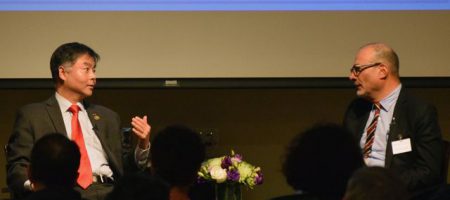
319	162
176	156
139	186
376	183
53	169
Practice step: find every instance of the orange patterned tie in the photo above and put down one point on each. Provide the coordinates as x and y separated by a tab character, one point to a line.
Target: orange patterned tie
85	171
371	131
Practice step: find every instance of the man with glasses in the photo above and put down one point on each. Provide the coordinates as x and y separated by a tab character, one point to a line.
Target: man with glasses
394	129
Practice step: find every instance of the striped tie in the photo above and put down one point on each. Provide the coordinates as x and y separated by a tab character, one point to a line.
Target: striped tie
371	131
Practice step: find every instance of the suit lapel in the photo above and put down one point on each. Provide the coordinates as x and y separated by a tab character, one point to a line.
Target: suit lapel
98	125
101	130
396	125
54	113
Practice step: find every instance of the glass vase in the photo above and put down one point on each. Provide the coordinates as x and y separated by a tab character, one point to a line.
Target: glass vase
228	191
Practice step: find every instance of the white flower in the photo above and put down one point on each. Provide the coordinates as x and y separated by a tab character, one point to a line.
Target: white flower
214	162
211	170
218	174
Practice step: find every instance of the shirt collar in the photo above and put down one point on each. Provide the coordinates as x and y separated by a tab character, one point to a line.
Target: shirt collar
387	102
65	104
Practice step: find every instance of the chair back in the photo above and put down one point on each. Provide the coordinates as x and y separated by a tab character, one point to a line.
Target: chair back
446	161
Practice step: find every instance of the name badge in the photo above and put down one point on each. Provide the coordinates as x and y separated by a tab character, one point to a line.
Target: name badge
401	146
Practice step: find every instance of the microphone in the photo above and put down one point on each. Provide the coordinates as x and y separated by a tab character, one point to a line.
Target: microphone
94	127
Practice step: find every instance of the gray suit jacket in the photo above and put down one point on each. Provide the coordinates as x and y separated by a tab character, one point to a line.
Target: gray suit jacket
38	119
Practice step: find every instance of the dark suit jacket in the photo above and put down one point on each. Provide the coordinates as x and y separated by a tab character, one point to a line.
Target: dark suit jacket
416	120
38	119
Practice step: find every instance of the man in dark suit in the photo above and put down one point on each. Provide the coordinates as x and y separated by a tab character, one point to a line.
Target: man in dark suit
95	129
395	129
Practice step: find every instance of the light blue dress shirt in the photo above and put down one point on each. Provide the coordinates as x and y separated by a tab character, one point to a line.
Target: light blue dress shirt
378	154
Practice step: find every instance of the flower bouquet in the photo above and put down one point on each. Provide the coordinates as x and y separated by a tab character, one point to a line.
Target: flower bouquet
230	172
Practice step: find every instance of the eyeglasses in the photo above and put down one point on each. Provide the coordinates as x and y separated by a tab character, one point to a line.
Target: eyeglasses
357	69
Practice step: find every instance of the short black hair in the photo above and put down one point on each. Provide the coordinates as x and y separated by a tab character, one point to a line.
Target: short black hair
321	159
69	53
54	161
139	186
176	155
376	183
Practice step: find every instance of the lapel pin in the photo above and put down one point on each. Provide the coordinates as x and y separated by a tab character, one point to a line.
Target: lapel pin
96	117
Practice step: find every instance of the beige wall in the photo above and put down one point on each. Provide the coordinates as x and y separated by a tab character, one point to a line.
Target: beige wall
257	123
224	44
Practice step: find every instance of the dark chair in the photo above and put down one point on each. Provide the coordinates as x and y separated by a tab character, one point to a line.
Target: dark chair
127	139
441	192
445	163
5	194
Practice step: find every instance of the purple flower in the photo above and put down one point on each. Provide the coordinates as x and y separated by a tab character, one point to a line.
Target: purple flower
226	162
233	175
238	157
259	178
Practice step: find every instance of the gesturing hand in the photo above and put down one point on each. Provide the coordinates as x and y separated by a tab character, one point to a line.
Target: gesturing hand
141	129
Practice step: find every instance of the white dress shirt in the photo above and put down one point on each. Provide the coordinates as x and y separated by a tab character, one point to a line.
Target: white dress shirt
97	155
